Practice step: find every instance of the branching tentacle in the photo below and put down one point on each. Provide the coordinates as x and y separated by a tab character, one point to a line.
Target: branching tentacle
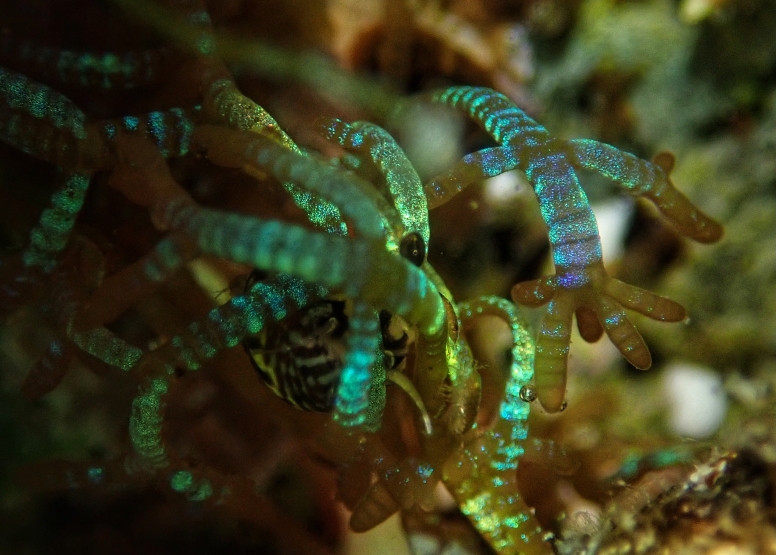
580	284
650	180
472	168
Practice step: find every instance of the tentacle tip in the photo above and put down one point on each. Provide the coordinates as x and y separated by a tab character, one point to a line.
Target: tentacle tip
534	293
641	359
554	402
710	232
664	311
665	160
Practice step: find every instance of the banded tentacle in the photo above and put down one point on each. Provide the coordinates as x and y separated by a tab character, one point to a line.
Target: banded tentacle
572	226
648	179
359	268
49	126
224	327
229	148
485	483
398	178
563	204
43	123
580	284
108	70
275	246
49	237
399	181
224	103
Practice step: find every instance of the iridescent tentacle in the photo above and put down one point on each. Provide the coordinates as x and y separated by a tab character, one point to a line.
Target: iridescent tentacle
351	404
223	327
580	284
43	123
106	346
227	235
49	126
485	482
244	150
49	237
647	179
360	268
223	102
572	226
400	180
564	205
109	70
474	167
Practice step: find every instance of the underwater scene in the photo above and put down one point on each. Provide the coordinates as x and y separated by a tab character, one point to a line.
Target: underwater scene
412	277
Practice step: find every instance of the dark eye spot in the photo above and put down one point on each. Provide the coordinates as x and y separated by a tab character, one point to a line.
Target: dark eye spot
413	248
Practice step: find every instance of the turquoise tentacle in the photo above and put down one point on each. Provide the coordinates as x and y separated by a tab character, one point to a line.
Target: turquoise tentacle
399	179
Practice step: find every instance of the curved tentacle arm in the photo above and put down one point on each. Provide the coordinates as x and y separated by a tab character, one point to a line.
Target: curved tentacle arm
474	167
572	226
599	307
358	402
109	70
170	131
104	345
120	291
243	150
400	485
362	269
650	180
580	284
401	181
49	126
67	286
484	483
49	237
223	102
44	123
224	327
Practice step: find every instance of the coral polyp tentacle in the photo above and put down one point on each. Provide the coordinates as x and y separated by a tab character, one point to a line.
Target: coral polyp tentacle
244	150
108	70
485	485
401	181
645	302
49	237
650	180
352	402
474	167
580	284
